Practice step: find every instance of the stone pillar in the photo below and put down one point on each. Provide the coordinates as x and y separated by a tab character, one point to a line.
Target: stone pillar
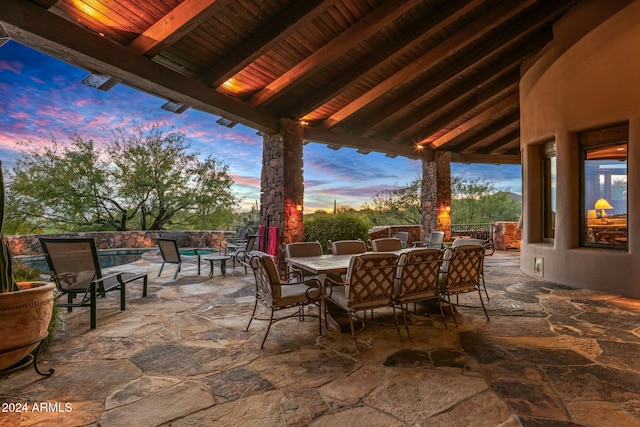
443	180
436	195
428	198
282	188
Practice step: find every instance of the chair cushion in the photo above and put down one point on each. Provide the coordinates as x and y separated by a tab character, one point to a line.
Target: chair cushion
294	294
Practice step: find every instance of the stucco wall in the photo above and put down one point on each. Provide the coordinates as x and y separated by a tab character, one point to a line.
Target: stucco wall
589	77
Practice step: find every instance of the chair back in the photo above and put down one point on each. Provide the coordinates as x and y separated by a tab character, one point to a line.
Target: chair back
370	280
402	235
348	247
467	241
169	250
241	234
303	249
73	262
436	239
418	274
267	279
251	243
386	244
464	269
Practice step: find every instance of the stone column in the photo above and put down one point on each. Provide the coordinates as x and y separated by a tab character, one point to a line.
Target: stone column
436	195
443	179
428	198
282	188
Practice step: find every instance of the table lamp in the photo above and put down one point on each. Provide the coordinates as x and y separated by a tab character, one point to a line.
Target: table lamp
602	204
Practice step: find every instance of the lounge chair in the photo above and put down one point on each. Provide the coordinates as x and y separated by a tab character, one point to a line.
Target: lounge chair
75	269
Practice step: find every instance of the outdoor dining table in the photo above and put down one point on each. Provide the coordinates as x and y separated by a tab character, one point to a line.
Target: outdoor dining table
323	265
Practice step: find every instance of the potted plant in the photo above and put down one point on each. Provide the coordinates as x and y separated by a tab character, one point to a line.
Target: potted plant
25	307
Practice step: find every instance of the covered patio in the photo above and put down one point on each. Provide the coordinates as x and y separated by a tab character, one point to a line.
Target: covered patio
181	357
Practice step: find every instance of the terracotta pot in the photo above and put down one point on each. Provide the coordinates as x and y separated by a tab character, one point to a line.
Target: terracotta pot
24	319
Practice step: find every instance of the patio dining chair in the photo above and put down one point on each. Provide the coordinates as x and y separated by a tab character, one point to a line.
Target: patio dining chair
75	269
241	253
402	235
171	255
348	247
281	292
418	279
368	285
463	274
479	242
386	244
302	249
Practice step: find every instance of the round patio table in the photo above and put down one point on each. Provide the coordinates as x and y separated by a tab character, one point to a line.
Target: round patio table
222	259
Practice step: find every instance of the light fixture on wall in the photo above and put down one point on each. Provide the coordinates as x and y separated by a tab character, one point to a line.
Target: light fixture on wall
602	205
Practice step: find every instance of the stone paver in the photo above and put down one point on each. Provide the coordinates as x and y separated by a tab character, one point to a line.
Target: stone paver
550	355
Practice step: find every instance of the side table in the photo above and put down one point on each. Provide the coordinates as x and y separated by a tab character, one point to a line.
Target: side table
222	259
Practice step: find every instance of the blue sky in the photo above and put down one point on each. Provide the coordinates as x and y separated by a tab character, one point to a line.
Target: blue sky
42	96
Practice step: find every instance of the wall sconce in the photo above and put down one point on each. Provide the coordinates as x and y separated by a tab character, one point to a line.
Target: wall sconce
299	208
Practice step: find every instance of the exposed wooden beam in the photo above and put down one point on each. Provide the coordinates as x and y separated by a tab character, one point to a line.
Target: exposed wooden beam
507	139
45	3
492	129
469	124
33	26
503	75
340	139
270	35
489	97
419	32
521	39
165	32
459	40
491	159
364	28
173	26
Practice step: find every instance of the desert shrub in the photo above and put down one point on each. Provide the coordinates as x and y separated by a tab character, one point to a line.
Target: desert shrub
342	226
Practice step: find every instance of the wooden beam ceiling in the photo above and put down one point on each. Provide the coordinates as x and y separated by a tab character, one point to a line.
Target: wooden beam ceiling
403	77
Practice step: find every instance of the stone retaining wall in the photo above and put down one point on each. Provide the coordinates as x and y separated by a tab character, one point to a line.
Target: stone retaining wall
28	244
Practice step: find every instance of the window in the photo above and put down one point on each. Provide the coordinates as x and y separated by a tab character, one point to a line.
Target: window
604	187
548	191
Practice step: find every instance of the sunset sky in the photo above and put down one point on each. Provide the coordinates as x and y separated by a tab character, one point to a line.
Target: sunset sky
42	96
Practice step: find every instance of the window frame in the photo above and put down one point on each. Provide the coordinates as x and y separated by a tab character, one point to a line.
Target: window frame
549	180
590	141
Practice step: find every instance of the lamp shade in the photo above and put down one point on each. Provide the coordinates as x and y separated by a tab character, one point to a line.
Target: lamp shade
602	204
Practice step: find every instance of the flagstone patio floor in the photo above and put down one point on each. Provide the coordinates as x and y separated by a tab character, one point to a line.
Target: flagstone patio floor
549	356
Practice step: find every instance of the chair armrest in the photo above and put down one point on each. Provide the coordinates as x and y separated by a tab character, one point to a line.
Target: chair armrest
295	274
331	283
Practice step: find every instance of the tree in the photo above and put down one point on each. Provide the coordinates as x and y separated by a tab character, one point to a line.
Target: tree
400	205
146	178
477	201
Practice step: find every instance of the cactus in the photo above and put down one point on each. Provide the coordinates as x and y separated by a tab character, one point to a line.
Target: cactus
7	281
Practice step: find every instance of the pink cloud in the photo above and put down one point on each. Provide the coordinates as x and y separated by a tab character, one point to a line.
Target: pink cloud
11	66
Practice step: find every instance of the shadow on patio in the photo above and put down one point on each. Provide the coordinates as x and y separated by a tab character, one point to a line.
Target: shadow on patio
549	355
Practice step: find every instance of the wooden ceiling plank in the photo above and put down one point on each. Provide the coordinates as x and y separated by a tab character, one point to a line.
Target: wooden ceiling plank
492	129
494	93
173	26
283	26
499	143
338	46
469	124
523	31
506	72
341	139
413	36
33	26
453	44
